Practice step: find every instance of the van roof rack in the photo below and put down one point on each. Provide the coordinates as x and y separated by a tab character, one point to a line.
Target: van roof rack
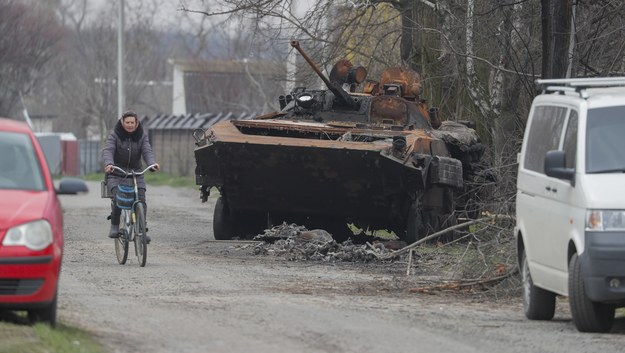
578	85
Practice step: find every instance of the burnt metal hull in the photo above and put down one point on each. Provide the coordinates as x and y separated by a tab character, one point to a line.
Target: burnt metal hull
273	171
325	175
311	180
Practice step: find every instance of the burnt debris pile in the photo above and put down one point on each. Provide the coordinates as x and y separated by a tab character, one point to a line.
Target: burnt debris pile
296	243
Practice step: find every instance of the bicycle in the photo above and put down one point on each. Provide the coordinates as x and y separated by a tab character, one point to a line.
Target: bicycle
132	225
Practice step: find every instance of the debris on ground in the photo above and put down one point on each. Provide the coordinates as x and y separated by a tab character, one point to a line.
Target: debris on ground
297	243
480	260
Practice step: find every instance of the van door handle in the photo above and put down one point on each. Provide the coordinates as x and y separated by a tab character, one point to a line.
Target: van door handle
550	189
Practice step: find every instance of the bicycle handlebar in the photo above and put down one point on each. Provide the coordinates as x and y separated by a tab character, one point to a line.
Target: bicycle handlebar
132	172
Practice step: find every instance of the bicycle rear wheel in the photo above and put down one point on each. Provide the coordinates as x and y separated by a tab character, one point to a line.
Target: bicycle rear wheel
121	243
141	244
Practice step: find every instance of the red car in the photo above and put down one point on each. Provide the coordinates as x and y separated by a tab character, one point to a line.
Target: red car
31	224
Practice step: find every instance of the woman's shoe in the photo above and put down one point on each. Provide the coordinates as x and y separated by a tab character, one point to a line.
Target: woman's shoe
114	232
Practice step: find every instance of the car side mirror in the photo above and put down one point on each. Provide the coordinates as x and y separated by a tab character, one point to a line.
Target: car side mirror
555	166
71	186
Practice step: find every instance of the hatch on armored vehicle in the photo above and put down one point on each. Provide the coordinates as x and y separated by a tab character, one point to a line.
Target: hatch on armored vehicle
377	157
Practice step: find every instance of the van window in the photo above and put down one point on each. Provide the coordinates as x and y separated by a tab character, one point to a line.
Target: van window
544	135
570	140
604	140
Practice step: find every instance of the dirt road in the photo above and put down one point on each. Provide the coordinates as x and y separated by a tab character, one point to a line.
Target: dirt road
200	296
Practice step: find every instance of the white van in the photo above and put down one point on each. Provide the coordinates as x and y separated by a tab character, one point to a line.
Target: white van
570	201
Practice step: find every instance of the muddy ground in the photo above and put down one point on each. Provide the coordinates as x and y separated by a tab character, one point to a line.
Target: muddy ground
199	295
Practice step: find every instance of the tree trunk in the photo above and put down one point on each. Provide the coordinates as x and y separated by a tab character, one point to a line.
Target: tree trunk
561	37
545	18
556	23
410	45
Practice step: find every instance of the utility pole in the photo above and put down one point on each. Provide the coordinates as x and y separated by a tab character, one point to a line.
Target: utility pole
291	61
120	62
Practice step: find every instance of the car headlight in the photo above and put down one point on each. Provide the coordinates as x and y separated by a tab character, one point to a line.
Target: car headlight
605	220
35	235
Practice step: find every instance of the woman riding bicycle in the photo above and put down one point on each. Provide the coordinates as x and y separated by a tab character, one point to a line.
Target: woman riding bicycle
124	147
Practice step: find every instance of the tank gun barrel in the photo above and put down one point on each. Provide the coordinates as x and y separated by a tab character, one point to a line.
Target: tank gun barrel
339	93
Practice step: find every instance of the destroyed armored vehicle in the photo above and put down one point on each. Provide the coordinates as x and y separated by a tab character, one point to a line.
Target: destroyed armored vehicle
338	159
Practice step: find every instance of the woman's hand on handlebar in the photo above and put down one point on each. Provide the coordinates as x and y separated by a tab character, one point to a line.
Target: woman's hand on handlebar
110	168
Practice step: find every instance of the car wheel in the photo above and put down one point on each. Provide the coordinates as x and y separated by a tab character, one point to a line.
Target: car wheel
588	316
538	304
46	314
223	227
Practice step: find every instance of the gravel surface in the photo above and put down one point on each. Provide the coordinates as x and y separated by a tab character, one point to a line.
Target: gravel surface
199	295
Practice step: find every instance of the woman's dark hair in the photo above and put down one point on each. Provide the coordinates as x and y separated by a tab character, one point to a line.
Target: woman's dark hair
129	113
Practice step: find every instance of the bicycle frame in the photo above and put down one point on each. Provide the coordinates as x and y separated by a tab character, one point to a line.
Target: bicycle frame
126	224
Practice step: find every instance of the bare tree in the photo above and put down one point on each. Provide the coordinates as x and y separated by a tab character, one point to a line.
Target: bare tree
30	34
86	74
599	31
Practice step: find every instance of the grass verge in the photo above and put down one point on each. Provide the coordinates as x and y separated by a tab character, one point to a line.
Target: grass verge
17	336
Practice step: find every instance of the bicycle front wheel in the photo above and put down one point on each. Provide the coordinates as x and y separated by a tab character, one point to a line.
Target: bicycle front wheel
121	243
141	244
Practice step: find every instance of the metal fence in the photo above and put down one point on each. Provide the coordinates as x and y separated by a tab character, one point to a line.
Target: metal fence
89	157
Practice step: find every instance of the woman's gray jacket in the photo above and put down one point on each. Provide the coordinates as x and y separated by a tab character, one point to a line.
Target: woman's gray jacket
125	150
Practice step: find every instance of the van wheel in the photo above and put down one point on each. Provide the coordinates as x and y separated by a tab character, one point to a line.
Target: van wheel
588	316
223	225
538	304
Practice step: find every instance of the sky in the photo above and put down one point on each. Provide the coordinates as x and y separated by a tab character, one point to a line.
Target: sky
166	11
169	10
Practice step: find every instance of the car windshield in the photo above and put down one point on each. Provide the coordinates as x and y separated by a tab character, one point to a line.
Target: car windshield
604	140
19	166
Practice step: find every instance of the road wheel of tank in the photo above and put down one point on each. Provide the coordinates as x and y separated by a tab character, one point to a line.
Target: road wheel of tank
430	221
538	303
223	225
588	316
414	223
446	221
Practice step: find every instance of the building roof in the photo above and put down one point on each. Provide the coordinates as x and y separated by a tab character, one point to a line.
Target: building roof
190	121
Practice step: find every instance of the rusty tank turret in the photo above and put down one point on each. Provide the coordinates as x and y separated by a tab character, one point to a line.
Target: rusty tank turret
376	157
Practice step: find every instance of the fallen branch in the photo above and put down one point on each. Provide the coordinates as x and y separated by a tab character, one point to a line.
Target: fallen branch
459	284
444	231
